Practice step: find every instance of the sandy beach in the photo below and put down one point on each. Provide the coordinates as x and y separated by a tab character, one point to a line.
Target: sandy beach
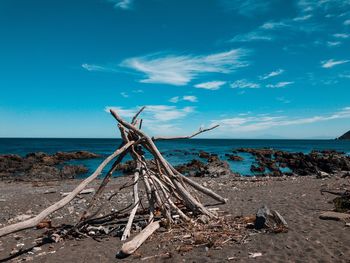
297	199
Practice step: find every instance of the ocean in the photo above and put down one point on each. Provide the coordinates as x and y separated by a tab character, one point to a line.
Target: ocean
104	147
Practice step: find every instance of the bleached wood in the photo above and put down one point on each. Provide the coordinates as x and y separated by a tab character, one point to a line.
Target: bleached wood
185	137
126	232
130	247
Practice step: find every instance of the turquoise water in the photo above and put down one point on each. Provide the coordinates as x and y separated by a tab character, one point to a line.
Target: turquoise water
170	149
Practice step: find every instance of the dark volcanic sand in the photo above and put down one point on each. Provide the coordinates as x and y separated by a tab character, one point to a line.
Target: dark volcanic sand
298	199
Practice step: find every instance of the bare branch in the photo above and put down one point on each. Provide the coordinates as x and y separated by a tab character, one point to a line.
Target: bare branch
185	137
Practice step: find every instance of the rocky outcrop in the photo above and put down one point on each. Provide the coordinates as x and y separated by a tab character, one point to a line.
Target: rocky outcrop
42	166
233	157
214	167
270	162
345	136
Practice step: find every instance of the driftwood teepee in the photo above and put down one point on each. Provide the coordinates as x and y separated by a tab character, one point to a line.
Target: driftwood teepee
168	192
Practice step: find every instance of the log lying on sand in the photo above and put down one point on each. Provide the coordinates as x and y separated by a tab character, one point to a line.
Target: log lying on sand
168	192
130	247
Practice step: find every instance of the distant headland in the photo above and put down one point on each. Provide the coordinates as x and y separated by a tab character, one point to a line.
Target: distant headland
345	136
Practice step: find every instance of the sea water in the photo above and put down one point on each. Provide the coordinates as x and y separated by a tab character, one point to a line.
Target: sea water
176	151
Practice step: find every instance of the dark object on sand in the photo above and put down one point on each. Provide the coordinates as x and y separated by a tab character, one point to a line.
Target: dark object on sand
345	136
342	201
270	219
171	196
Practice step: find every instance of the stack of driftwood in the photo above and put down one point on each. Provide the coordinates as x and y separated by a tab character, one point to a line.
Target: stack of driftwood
171	196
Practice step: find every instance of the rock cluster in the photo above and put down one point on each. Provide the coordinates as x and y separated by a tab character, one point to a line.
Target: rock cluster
42	166
270	162
214	167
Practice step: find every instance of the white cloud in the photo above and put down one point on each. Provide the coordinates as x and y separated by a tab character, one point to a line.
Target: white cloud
181	69
333	43
211	85
124	94
256	123
190	98
280	84
274	25
331	63
325	6
176	99
347	22
272	74
252	36
341	35
122	4
92	67
302	18
154	113
244	84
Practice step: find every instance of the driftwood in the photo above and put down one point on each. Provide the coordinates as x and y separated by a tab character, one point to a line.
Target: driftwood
171	196
130	247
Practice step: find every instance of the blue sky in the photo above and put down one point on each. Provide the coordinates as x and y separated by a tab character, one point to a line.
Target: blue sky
260	69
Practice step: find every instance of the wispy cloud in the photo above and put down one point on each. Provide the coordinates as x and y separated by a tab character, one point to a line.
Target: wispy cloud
272	74
93	67
244	84
189	98
122	4
341	35
124	94
274	25
333	43
252	37
211	85
324	6
302	18
279	84
347	22
175	99
331	63
256	123
160	113
181	69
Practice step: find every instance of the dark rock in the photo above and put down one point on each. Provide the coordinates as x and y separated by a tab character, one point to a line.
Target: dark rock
203	154
233	157
41	166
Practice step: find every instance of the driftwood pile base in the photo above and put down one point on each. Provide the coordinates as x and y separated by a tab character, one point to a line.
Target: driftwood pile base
172	198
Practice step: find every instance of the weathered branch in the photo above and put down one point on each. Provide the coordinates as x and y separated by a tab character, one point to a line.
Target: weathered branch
130	247
185	137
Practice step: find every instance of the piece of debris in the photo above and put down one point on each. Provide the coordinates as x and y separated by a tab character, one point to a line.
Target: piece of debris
270	219
329	215
255	255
